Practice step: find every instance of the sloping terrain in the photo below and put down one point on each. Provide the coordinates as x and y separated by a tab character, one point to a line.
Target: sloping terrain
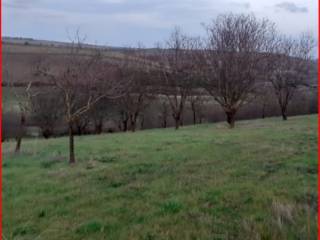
257	181
20	56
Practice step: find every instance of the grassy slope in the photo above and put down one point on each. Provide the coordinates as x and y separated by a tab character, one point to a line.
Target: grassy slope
203	182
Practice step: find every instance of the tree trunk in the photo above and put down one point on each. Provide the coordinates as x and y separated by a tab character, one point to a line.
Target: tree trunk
133	125
98	127
284	114
79	130
283	105
164	123
194	113
142	122
177	122
194	118
71	145
133	122
200	119
18	144
47	133
125	125
263	111
20	133
181	119
231	118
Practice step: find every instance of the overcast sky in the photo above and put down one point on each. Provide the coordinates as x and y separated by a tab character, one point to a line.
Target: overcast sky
126	22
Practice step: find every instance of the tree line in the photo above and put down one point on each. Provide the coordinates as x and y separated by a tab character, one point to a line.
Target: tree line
238	60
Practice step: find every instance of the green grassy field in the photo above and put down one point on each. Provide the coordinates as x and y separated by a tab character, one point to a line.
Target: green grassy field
257	181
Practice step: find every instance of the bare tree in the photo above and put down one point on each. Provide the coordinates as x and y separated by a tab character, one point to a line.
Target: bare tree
235	50
23	110
264	100
178	71
85	74
10	125
47	110
265	97
197	100
136	70
123	119
21	103
290	68
81	124
99	113
164	111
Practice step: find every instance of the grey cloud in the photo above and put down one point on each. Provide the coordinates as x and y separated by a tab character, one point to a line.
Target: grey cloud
119	21
19	3
291	7
245	5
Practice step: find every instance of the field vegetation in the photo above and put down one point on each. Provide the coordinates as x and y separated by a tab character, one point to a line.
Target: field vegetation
257	181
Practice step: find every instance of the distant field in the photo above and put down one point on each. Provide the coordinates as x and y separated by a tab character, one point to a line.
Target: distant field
19	60
258	181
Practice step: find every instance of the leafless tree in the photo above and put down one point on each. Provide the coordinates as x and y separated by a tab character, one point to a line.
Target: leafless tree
164	111
264	100
81	124
178	67
47	110
197	101
136	70
290	68
85	74
123	122
265	97
99	113
21	103
235	50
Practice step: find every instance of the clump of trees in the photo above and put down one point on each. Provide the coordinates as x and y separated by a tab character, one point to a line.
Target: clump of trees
235	52
177	72
100	112
84	80
240	60
289	68
136	71
47	109
17	127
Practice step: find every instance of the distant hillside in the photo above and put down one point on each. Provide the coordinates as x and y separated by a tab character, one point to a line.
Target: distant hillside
21	54
47	43
36	42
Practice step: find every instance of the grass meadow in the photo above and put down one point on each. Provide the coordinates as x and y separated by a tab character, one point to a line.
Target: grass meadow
257	181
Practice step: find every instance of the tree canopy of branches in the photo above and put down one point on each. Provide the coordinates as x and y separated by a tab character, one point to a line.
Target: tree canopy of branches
135	69
21	103
290	67
46	109
164	111
178	67
236	47
100	112
83	80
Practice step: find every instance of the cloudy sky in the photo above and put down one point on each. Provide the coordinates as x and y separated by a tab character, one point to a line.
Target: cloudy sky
126	22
